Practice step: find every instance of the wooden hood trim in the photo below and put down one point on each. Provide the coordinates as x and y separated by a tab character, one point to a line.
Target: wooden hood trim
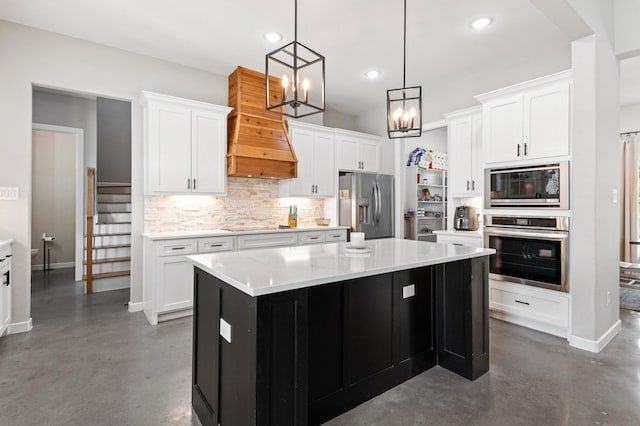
258	143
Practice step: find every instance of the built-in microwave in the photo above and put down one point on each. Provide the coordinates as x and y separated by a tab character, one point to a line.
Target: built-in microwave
538	186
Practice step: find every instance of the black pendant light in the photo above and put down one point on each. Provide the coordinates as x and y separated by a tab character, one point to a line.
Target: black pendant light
295	78
404	106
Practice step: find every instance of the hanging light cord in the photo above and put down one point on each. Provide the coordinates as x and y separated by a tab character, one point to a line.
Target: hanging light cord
404	58
295	20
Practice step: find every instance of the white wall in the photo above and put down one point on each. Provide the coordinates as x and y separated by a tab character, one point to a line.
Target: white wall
630	118
35	57
339	120
595	174
113	121
627	27
69	110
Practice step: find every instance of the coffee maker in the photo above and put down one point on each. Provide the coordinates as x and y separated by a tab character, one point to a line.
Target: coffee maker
466	219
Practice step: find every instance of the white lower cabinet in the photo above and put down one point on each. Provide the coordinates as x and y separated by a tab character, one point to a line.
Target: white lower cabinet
267	240
168	276
533	307
461	240
5	289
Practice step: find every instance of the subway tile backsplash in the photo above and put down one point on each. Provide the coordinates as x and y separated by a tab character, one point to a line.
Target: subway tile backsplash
250	202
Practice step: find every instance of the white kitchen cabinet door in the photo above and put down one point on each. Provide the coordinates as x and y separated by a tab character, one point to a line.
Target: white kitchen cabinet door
369	156
503	134
477	165
460	161
5	298
175	283
465	155
169	148
546	122
208	152
348	153
303	145
324	165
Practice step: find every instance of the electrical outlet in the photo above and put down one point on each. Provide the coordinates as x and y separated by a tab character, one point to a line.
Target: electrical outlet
608	298
225	330
8	193
614	196
408	291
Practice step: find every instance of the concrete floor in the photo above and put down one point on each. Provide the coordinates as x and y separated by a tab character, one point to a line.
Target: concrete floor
89	361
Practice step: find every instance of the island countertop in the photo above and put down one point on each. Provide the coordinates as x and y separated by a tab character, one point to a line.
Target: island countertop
272	270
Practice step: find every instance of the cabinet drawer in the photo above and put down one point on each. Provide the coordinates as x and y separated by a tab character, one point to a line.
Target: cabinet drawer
464	240
314	237
535	305
267	240
176	247
335	236
214	244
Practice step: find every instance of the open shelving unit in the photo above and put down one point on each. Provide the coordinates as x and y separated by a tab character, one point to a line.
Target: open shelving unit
426	197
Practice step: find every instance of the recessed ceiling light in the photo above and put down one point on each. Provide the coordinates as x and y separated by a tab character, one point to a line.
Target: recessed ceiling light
273	37
373	74
481	23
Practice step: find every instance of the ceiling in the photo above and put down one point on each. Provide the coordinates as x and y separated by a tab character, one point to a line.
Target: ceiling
354	36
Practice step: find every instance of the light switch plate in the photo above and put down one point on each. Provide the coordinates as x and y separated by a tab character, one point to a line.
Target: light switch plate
408	291
8	193
225	330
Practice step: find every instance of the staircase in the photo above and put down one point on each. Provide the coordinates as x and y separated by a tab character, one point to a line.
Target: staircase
110	241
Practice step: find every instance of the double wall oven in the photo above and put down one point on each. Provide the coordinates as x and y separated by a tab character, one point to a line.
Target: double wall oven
531	249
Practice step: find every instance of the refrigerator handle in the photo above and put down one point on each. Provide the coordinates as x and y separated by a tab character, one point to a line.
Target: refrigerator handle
377	201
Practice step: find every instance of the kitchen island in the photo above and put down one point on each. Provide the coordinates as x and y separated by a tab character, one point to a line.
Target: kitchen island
299	335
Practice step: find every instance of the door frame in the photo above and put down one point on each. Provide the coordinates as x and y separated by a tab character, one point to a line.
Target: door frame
79	179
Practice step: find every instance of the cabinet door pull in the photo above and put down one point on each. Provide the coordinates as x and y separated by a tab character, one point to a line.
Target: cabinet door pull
518	150
8	274
178	248
457	244
525	149
522	303
215	245
467	185
194	184
189	183
473	185
313	238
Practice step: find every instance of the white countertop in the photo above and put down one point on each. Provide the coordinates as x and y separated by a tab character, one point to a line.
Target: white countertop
5	243
272	270
225	232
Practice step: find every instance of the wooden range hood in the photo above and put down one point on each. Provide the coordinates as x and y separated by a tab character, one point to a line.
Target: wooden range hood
258	143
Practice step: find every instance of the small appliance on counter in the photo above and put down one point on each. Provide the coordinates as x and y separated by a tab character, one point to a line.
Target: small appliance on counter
466	219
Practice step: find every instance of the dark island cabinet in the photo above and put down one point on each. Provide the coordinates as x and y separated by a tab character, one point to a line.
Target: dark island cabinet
305	356
463	317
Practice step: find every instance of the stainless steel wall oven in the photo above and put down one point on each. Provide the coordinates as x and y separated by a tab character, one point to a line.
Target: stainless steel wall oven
529	250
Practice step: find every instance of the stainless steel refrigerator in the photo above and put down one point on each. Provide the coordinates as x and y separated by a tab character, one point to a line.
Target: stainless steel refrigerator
366	203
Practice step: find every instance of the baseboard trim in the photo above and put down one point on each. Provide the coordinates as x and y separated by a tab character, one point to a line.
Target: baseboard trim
60	265
21	327
529	323
596	346
136	306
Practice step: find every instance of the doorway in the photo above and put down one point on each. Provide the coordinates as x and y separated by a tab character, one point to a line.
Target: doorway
57	198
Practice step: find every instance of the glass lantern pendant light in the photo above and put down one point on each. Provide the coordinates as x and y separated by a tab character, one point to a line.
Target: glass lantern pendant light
404	106
295	78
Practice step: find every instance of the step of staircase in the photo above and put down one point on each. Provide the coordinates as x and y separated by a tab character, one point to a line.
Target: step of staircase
109	275
110	252
111	239
119	217
113	197
114	207
112	228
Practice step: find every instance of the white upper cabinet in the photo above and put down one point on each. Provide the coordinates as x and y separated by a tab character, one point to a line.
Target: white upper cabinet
358	151
315	150
185	145
527	121
465	152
